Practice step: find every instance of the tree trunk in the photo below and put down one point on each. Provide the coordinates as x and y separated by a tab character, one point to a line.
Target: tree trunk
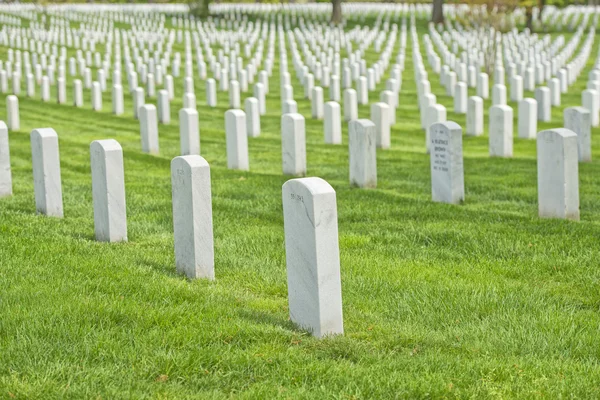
437	14
200	8
529	18
336	12
541	5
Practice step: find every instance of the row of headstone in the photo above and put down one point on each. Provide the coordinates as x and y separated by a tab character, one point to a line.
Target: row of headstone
310	219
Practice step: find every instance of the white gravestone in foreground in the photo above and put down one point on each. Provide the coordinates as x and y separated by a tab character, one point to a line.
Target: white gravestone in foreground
236	140
211	92
362	157
149	128
189	133
117	100
527	124
139	100
12	112
589	100
5	173
312	256
434	113
333	123
350	105
46	172
108	191
77	93
558	179
252	117
164	108
516	88
293	144
447	176
542	96
475	116
189	100
501	131
387	97
234	94
317	103
192	217
578	120
259	93
380	115
96	97
460	98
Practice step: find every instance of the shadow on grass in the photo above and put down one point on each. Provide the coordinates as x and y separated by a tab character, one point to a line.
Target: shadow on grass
264	318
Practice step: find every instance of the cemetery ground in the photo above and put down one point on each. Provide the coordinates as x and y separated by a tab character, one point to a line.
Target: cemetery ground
483	299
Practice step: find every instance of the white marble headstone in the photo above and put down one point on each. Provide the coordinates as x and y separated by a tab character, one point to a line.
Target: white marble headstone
362	149
46	172
558	176
293	144
447	176
5	172
108	191
312	256
192	217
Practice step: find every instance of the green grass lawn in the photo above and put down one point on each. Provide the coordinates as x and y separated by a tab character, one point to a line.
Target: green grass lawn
481	300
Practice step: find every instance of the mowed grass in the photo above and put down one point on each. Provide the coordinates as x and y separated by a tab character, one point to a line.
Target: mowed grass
481	300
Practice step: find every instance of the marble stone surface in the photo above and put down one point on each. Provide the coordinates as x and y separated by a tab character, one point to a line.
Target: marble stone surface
380	117
501	131
290	107
46	172
578	120
558	176
189	132
447	175
164	107
149	128
117	100
5	171
312	256
527	124
237	140
234	94
189	101
498	95
13	121
259	93
192	217
96	97
589	100
460	98
434	113
475	116
554	86
427	100
293	144
334	88
139	100
483	88
252	117
362	91
332	123
362	153
542	96
211	92
387	97
317	103
350	105
108	191
516	88
61	90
